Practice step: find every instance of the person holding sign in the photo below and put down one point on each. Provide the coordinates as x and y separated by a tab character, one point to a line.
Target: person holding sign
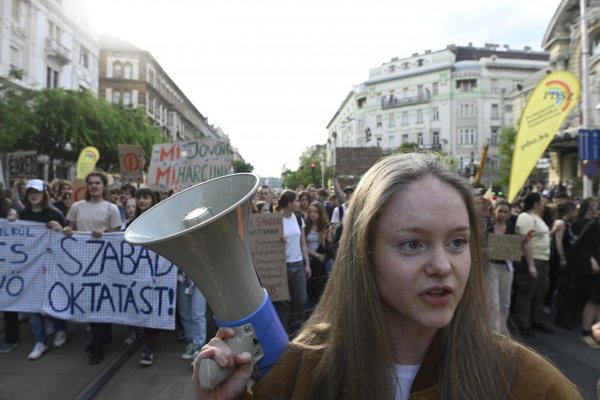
499	273
95	215
402	315
37	208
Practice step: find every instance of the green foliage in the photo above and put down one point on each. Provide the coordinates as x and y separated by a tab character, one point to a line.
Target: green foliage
508	136
60	123
242	166
304	175
408	147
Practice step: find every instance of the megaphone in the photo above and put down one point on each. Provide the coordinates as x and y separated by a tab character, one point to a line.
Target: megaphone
203	230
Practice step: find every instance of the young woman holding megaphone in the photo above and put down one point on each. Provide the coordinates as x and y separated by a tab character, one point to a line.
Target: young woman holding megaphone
404	314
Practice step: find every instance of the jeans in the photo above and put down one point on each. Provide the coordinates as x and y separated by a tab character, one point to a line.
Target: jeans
297	286
39	328
529	299
499	280
192	312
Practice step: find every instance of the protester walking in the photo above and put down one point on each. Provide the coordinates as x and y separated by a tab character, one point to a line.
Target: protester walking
96	215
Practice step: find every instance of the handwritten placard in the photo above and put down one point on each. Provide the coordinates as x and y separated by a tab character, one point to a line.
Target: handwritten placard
505	247
268	254
131	162
184	164
84	279
22	164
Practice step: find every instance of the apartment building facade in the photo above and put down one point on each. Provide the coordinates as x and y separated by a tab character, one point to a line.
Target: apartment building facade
453	100
132	77
47	44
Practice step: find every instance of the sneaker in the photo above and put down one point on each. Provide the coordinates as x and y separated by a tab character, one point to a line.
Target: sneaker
147	357
60	339
38	350
5	347
589	342
132	338
196	354
188	354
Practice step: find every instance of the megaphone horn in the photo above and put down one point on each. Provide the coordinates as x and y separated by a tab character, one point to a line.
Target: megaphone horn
203	230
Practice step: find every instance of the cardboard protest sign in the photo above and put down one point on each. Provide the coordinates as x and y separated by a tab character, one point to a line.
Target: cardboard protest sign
184	164
268	254
84	279
505	247
131	161
22	164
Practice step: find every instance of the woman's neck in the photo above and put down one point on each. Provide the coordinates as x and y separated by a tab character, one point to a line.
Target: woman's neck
409	344
287	213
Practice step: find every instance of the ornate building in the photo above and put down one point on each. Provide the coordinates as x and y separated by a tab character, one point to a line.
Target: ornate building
47	43
131	76
453	100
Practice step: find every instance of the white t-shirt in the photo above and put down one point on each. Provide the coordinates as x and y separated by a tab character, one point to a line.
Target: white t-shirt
292	232
405	375
89	216
335	217
540	242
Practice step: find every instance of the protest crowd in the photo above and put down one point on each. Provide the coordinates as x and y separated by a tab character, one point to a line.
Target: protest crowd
556	272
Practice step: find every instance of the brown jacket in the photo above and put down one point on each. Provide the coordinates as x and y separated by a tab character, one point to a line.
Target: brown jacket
536	378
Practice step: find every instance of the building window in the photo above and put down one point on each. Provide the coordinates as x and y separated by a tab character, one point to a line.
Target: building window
435	138
52	77
419	116
494	137
54	32
420	62
404	117
392	141
420	91
378	121
15	58
391	120
435	114
466	135
116	97
466	85
495	111
151	77
494	85
405	138
405	93
117	70
420	138
435	89
84	57
127	70
467	111
16	10
126	98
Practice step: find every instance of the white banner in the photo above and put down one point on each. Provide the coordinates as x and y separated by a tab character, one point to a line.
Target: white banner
83	279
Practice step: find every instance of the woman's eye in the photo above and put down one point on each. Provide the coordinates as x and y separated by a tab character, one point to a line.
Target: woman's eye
410	245
458	243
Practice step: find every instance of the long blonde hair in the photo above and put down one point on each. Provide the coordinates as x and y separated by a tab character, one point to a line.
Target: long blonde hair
347	328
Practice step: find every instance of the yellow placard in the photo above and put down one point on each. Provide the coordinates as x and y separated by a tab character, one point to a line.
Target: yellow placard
550	103
87	161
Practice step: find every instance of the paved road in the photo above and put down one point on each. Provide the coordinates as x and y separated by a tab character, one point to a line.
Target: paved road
64	373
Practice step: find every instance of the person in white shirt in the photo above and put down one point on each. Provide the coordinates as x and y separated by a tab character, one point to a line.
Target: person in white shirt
341	211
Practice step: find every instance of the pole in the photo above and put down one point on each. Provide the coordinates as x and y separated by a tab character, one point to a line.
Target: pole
585	93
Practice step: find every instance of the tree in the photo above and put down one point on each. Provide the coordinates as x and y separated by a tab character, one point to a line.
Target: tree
305	175
60	123
242	166
508	136
408	147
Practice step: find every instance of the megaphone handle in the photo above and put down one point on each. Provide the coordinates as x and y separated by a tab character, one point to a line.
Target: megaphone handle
211	374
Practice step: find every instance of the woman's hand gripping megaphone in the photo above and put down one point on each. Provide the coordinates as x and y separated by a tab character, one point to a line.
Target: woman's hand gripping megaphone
226	363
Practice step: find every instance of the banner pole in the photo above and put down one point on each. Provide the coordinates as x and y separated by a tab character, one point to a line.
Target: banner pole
585	93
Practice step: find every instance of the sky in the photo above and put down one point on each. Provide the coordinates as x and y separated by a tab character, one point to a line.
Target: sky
272	73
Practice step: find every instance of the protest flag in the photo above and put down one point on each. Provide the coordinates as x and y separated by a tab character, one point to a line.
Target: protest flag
550	103
87	161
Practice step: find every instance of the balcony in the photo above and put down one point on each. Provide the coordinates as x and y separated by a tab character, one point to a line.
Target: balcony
394	102
57	51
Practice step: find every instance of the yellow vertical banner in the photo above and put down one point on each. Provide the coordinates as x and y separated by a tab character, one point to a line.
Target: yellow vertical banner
550	103
87	161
